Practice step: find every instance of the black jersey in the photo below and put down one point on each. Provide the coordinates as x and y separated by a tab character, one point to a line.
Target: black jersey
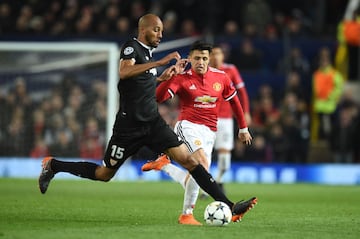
137	94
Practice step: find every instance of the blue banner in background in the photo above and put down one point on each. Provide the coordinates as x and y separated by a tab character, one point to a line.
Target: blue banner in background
333	174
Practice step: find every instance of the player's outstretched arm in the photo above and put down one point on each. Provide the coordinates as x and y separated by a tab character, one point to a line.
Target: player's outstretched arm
128	68
166	59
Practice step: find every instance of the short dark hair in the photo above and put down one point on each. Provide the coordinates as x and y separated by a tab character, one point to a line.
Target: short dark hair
201	46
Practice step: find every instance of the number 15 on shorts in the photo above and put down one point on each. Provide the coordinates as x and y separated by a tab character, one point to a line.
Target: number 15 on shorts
117	152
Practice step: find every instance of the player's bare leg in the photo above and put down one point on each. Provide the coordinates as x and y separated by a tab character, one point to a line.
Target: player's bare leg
181	155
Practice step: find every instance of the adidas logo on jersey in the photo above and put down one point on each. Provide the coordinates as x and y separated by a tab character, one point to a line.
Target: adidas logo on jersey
192	87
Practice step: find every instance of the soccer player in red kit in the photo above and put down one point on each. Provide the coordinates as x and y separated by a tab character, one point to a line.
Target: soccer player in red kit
199	90
224	141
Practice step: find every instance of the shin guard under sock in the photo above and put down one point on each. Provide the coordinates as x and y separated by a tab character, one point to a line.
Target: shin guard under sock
209	185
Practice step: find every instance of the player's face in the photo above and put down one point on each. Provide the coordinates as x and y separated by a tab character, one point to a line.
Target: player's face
216	57
199	61
153	33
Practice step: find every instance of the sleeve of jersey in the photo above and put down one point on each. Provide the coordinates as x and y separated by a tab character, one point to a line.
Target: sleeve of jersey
240	86
244	99
238	111
128	51
165	90
230	95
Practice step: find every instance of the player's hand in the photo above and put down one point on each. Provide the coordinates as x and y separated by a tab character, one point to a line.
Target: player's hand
245	138
181	65
167	74
172	56
173	70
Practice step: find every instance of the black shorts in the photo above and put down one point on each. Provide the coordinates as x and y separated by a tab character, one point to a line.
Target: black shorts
125	142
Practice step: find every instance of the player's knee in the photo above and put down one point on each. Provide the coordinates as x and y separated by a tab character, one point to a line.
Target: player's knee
189	163
104	174
200	157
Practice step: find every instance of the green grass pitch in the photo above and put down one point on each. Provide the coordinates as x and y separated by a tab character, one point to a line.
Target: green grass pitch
88	209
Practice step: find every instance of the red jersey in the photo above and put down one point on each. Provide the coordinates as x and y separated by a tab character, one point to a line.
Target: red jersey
199	95
225	110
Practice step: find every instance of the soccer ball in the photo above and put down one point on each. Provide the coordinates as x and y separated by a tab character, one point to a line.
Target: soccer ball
217	214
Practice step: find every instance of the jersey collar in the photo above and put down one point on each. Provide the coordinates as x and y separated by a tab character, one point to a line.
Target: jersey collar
197	76
192	72
151	49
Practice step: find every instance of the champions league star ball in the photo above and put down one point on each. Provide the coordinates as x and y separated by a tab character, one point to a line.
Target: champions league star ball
217	214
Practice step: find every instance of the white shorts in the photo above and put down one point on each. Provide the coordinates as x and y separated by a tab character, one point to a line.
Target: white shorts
196	136
225	134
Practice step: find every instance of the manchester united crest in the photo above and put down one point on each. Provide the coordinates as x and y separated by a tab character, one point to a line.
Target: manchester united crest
217	86
197	142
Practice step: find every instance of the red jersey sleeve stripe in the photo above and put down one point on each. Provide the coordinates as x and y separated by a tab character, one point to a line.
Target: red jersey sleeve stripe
231	96
171	93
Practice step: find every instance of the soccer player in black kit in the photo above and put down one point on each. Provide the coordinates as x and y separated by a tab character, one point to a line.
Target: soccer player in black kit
138	122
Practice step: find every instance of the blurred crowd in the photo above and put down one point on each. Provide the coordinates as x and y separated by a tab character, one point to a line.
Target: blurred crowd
265	18
70	120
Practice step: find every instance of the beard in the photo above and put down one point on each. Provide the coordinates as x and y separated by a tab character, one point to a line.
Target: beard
152	44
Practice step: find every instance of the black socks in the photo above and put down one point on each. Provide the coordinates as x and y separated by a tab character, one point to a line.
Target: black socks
80	169
87	170
209	185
